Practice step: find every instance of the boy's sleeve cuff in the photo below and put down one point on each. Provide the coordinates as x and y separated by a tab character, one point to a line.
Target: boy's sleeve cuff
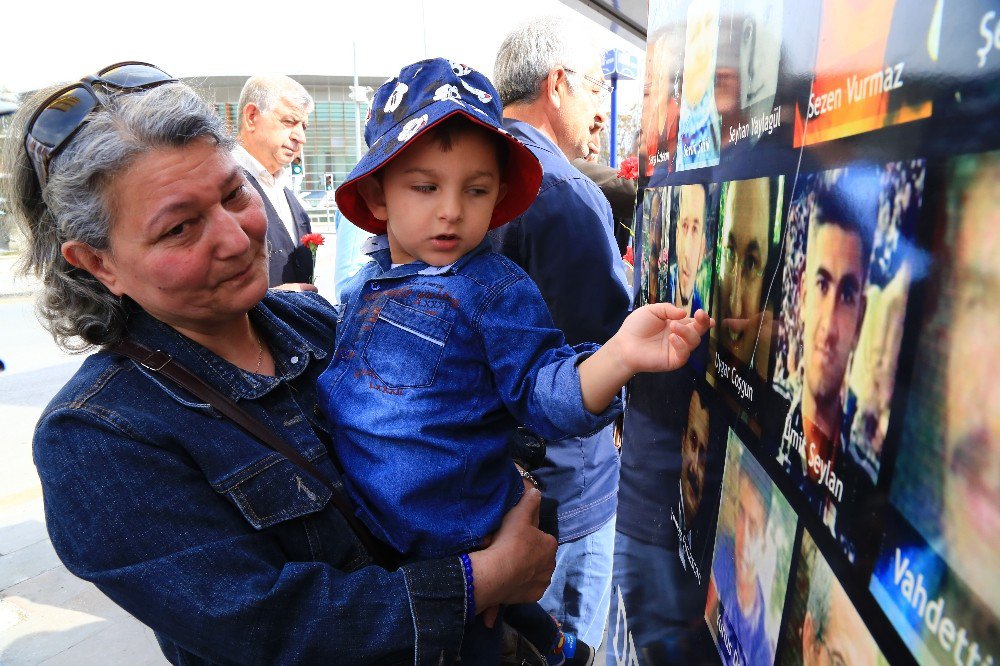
560	381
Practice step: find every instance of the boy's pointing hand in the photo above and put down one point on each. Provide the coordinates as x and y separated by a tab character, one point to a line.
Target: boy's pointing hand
660	337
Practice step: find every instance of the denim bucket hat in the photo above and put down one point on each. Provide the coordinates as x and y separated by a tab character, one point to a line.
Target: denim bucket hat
421	96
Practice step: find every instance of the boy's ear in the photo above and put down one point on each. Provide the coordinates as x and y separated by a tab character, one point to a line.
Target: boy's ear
501	192
371	191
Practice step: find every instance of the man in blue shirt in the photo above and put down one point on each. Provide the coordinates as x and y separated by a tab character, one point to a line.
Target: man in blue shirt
348	256
552	88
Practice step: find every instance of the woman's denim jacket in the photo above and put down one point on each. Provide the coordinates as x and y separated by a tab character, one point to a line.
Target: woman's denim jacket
226	549
434	369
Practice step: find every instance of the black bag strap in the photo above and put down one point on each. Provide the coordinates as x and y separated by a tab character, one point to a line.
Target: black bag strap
163	364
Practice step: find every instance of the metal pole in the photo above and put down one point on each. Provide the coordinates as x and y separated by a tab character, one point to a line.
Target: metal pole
357	107
613	158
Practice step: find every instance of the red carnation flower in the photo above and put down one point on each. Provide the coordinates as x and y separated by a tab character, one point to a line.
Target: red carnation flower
629	257
629	168
312	241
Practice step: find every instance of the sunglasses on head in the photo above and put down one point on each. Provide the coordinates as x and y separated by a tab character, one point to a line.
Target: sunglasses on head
61	116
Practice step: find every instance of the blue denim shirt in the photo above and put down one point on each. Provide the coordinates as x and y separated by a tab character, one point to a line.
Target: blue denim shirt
226	549
435	367
565	242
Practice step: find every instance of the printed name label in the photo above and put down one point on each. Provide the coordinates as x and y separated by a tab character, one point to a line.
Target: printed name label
765	123
857	89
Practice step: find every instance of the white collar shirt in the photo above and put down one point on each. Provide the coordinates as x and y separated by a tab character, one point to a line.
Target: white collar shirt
274	187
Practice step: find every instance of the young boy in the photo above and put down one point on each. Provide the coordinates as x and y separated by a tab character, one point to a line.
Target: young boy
445	347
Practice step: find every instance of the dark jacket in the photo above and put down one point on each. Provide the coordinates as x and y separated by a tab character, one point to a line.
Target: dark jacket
564	242
226	549
287	259
620	193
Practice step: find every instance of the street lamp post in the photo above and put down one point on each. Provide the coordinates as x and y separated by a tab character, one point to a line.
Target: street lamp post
617	65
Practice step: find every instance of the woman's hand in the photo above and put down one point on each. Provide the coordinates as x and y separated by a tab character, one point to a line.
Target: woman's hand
517	565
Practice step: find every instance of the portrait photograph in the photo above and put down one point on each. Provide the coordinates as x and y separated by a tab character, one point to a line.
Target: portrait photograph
654	259
751	561
822	626
748	75
867	73
672	457
699	139
944	489
849	262
747	257
661	100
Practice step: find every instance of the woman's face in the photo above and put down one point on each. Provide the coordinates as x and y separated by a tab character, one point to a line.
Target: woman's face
187	237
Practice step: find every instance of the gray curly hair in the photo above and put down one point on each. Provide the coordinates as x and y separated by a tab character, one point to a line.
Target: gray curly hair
528	53
76	308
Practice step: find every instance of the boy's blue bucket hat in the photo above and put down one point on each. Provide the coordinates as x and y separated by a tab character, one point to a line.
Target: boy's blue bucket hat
424	94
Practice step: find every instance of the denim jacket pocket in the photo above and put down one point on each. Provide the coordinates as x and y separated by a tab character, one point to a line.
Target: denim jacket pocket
406	346
274	490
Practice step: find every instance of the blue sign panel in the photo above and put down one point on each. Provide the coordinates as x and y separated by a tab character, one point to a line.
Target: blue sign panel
620	63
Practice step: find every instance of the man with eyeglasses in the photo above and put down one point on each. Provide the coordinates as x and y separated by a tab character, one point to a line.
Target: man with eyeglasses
744	249
274	113
551	85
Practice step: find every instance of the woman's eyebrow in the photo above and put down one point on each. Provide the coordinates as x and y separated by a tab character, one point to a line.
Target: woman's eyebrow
179	204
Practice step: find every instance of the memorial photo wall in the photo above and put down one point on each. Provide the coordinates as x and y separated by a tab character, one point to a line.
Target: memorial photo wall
821	482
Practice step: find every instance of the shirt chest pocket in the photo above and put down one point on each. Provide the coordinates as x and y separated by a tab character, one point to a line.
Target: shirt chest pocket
406	346
273	491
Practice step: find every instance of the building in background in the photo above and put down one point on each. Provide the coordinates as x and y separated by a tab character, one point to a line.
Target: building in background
334	137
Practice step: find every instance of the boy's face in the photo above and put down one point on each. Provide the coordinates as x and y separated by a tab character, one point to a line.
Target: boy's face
437	204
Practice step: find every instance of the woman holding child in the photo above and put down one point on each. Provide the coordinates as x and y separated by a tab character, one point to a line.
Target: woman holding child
150	245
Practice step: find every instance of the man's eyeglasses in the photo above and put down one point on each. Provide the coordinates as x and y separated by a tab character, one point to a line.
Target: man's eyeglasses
748	265
61	116
604	89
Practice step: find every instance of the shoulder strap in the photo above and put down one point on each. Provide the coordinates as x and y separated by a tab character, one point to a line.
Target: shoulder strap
163	364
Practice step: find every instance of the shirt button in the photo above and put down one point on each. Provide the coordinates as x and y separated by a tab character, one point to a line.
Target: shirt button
375	286
294	360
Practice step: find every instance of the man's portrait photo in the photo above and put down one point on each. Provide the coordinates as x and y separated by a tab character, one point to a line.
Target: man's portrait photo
849	254
653	264
699	135
751	562
946	482
692	230
747	258
823	628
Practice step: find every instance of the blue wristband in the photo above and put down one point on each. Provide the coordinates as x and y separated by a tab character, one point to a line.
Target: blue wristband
470	588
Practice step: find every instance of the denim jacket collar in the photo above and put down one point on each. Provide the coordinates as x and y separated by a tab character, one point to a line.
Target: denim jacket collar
377	247
290	350
532	137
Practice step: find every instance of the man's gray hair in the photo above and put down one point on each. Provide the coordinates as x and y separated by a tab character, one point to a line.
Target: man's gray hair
265	91
529	52
76	308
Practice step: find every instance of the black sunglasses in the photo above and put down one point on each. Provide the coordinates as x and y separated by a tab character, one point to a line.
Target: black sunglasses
61	116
